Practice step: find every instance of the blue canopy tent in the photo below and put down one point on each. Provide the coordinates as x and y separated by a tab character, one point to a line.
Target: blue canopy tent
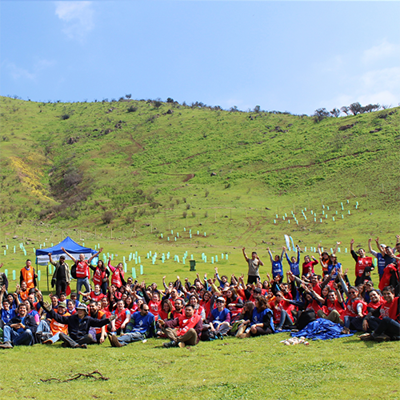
73	248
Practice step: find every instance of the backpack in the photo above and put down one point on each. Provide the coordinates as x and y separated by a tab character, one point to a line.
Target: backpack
73	271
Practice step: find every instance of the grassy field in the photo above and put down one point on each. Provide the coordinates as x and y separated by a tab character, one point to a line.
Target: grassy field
255	368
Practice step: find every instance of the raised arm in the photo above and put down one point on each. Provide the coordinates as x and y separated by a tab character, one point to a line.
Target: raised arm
51	260
371	250
270	254
335	250
94	255
380	248
69	255
3	290
244	254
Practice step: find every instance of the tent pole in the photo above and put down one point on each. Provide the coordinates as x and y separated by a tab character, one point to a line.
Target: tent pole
47	269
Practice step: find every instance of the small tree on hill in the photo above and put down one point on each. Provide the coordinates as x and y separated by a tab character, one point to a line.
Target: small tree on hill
355	108
128	96
320	114
335	112
345	110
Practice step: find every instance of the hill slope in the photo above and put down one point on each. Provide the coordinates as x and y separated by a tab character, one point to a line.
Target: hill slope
136	162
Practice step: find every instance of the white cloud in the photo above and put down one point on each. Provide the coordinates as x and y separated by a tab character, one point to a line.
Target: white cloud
381	51
77	17
384	97
387	78
18	72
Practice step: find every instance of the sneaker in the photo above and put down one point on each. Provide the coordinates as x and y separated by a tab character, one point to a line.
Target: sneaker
181	345
167	345
48	341
365	337
6	345
63	344
83	346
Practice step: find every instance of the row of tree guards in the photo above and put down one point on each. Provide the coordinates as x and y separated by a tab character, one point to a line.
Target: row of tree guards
321	216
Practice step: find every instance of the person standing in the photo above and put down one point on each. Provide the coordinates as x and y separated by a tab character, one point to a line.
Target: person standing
62	276
28	275
254	264
82	269
276	262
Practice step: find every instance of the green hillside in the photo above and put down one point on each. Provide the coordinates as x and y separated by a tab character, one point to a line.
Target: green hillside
152	166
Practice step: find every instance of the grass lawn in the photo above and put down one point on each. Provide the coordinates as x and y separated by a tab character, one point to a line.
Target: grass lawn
255	368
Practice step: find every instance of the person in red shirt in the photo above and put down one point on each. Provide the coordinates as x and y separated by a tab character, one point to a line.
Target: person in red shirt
355	308
100	276
166	310
123	316
388	327
308	265
184	330
334	308
179	308
82	269
95	294
117	277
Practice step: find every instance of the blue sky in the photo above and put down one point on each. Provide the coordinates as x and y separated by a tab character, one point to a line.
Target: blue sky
286	56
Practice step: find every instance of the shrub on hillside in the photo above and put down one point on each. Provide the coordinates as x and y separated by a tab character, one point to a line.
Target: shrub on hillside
107	217
184	214
65	116
132	109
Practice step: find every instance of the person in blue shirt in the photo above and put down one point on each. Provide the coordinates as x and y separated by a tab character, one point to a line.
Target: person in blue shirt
7	313
293	262
141	326
262	319
379	257
277	268
220	318
20	330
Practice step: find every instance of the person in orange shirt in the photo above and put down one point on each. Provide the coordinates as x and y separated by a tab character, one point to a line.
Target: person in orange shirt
49	333
28	275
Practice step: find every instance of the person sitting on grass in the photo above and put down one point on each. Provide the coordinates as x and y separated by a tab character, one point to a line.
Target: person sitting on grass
95	312
20	330
384	321
334	308
49	332
95	294
184	330
141	326
122	317
261	322
7	313
220	318
78	325
282	319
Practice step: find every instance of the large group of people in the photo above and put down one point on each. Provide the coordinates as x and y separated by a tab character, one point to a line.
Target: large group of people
182	313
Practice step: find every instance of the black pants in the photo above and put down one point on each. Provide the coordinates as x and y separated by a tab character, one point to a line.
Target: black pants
104	287
389	327
252	279
87	339
61	287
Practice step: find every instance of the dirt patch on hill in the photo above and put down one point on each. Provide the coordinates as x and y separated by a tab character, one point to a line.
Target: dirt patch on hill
188	177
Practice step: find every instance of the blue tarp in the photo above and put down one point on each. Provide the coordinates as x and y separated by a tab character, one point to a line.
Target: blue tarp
68	244
321	329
